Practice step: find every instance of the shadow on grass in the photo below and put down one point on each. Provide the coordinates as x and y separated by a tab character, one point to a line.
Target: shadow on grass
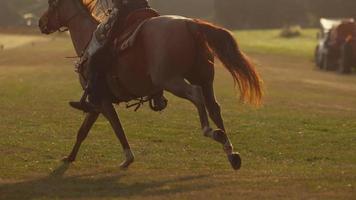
91	186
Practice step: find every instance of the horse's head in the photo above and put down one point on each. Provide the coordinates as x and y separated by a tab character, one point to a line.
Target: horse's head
57	16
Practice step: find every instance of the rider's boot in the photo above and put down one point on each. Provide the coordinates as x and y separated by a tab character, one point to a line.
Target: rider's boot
86	103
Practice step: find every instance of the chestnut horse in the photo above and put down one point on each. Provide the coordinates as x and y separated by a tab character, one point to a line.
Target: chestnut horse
177	54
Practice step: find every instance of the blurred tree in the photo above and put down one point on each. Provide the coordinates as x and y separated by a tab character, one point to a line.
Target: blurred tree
333	8
277	13
7	15
11	11
190	8
260	13
231	13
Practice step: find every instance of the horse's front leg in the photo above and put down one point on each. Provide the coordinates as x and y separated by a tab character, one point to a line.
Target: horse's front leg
90	119
109	112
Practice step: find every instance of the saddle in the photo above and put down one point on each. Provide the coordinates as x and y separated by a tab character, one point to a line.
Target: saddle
131	26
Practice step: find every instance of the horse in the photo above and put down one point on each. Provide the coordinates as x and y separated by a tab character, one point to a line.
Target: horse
178	56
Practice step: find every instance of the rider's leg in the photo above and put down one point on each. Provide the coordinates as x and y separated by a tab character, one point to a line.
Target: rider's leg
94	57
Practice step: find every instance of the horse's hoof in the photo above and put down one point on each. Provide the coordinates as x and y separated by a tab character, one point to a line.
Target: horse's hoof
219	136
67	160
235	160
129	159
126	164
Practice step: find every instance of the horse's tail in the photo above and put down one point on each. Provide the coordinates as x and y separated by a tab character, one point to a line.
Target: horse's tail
223	44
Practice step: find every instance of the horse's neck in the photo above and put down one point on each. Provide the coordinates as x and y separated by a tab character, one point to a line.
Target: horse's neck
81	29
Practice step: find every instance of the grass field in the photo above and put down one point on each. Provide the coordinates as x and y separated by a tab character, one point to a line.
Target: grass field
269	42
10	41
300	145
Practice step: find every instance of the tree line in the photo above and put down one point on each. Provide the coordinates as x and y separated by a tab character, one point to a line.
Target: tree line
191	8
12	11
260	13
278	13
231	13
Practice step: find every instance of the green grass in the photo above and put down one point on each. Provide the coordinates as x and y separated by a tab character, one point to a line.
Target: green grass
300	145
10	41
269	42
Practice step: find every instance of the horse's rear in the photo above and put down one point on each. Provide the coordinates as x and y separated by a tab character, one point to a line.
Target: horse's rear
164	49
171	50
169	47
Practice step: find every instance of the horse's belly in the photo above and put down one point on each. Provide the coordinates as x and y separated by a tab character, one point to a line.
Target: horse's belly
137	82
128	80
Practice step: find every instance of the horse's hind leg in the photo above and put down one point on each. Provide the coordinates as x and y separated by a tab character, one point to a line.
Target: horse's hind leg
213	106
219	135
109	112
82	134
193	93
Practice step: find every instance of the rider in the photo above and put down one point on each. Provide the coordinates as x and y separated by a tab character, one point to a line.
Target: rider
96	52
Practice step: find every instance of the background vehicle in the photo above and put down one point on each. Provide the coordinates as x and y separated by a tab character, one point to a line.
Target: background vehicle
336	49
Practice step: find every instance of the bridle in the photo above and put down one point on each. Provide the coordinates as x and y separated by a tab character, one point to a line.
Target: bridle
54	7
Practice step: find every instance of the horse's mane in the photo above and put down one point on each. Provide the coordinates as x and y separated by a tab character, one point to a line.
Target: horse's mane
98	8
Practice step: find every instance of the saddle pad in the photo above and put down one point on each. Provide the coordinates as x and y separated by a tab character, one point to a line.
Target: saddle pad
131	27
